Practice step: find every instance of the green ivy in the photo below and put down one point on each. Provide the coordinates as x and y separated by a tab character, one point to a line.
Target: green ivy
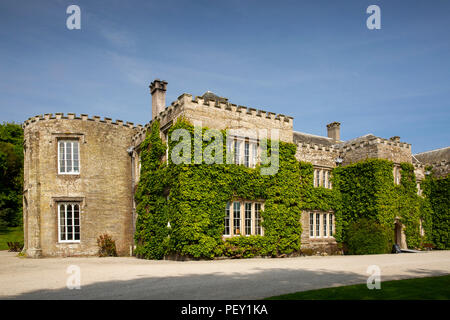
192	198
181	206
367	190
437	202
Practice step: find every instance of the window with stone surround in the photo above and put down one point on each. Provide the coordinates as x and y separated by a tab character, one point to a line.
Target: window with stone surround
243	218
244	151
68	157
397	175
322	178
69	222
321	225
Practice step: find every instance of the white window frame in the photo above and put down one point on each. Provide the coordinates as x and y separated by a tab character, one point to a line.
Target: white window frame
330	225
243	218
258	229
234	230
73	204
246	219
64	142
254	152
236	151
325	227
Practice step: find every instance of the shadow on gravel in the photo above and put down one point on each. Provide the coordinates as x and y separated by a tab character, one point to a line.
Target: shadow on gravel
257	285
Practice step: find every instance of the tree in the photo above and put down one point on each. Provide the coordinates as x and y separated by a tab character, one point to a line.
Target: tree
11	174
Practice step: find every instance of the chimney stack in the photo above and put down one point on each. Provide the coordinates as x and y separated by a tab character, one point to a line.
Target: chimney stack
334	131
158	90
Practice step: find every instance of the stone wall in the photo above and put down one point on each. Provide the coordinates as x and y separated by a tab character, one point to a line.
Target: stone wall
103	187
371	147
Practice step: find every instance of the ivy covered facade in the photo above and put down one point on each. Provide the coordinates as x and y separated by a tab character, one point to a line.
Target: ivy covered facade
195	208
207	178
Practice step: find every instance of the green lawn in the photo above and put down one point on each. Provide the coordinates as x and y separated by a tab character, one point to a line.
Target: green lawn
432	288
8	234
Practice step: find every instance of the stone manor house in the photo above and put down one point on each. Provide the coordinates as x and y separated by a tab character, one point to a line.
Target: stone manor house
80	172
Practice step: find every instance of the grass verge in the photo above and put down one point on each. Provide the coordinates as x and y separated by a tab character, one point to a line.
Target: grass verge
10	234
430	288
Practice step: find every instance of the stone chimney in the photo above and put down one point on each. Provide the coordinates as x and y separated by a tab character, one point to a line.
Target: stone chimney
334	131
158	90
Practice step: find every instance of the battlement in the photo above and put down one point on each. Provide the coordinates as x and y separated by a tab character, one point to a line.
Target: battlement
316	146
222	104
81	117
370	140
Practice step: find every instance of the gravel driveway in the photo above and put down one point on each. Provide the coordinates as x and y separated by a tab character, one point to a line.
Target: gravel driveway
131	278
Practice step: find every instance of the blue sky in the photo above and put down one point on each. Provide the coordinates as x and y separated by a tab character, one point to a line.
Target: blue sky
313	60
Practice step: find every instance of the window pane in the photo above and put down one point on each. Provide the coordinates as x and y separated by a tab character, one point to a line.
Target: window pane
236	218
248	218
254	154
68	157
62	163
317	178
230	150
237	155
247	154
76	161
311	224
325	225
258	227
330	225
317	225
69	222
62	223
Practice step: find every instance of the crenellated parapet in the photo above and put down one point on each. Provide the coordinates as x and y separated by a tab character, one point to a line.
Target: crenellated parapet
81	117
187	99
318	147
370	140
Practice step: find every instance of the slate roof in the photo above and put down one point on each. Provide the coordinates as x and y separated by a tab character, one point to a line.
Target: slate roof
434	156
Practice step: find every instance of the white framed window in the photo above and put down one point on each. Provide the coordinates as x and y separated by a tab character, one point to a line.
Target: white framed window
237	152
236	218
248	218
247	154
68	157
320	225
397	175
330	225
329	179
243	218
242	151
317	224
322	178
254	154
258	220
68	222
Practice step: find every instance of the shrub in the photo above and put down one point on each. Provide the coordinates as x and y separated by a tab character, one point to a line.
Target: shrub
15	246
369	237
107	246
248	247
